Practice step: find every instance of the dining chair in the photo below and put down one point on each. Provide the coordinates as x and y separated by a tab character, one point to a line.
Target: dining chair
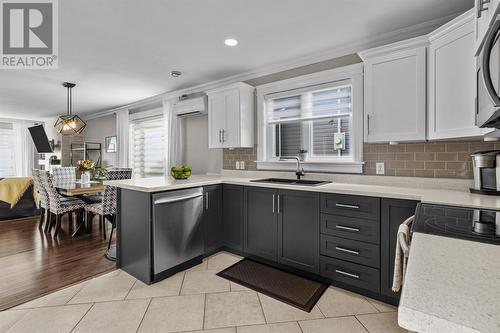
64	174
107	207
44	197
58	205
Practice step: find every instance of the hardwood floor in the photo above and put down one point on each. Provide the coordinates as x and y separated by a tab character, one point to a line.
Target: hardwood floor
34	263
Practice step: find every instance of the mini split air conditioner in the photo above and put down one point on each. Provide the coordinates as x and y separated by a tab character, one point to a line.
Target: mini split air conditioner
191	107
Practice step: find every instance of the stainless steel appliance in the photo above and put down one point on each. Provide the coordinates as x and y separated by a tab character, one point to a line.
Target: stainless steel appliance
457	222
488	79
177	228
486	168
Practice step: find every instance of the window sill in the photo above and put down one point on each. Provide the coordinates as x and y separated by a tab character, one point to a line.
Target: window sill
337	167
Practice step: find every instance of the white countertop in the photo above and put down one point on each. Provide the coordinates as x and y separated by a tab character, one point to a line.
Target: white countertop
459	198
451	285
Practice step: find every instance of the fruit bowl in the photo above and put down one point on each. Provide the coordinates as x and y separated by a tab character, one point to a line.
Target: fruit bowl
180	172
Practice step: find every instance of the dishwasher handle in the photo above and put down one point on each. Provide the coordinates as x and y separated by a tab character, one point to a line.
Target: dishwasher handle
177	199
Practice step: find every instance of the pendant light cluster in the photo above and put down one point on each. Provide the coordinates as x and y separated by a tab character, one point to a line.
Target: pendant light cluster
69	124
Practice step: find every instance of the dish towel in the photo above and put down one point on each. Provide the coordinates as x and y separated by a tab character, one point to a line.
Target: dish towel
12	189
401	256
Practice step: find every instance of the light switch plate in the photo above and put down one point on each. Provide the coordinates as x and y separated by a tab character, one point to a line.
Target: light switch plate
380	168
237	165
242	165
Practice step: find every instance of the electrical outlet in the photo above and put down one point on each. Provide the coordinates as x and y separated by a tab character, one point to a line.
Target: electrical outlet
380	168
237	165
242	165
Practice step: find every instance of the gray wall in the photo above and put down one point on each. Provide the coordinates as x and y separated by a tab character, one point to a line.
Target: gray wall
197	154
99	128
307	69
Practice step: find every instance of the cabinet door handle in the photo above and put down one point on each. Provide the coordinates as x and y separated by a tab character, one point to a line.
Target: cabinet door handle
206	201
481	7
220	140
347	228
273	203
356	276
346	206
223	135
338	248
278	203
368	124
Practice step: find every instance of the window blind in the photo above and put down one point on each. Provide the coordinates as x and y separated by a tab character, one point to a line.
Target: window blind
148	147
7	158
288	139
323	132
324	103
309	119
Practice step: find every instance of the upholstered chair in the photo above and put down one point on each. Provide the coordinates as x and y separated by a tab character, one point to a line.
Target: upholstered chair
58	205
64	174
44	197
107	207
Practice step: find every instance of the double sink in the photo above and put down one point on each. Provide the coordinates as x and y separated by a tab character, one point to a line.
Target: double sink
283	181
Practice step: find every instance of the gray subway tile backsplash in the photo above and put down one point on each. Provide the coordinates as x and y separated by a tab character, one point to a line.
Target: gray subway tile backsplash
431	159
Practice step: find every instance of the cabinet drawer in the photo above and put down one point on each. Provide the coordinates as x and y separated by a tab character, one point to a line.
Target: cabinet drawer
351	205
349	273
351	228
350	250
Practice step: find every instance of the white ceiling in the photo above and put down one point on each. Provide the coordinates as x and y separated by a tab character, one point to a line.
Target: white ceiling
122	51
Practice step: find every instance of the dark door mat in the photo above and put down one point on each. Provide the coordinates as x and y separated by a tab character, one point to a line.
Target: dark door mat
292	289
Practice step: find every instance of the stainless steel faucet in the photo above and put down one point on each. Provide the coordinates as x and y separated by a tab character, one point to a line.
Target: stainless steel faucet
300	171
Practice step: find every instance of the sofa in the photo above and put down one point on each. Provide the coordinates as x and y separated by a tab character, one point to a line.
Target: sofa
24	208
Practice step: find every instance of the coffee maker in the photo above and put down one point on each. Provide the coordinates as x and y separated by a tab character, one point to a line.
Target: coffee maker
486	167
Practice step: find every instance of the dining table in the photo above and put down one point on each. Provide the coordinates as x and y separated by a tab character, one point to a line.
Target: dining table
79	189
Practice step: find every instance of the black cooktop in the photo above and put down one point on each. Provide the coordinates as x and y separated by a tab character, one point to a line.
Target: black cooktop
464	223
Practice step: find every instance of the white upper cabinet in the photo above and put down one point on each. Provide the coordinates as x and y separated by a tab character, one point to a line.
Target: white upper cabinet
451	80
231	116
484	12
395	91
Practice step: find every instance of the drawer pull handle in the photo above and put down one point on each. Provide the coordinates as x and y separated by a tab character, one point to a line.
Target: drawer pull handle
338	248
356	276
347	206
347	228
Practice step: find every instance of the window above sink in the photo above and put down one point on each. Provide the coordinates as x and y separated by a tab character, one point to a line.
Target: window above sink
320	113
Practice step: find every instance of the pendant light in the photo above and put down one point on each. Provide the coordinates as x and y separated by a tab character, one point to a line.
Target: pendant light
69	124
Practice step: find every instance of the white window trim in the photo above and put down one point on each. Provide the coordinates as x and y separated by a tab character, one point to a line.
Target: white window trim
353	74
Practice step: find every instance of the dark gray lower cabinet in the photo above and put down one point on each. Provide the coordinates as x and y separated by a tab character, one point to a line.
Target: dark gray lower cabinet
393	213
232	216
212	218
352	274
347	249
260	223
283	226
298	230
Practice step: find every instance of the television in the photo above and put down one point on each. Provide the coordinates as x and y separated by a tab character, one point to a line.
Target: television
40	139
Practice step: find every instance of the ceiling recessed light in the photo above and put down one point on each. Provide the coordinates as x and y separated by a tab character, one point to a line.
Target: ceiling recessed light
231	42
175	73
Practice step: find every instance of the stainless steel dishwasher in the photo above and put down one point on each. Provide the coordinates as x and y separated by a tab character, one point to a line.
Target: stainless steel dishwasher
177	227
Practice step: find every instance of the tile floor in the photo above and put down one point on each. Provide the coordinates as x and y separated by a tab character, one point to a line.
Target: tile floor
192	301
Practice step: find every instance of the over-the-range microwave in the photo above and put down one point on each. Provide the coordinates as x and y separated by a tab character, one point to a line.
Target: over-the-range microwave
488	79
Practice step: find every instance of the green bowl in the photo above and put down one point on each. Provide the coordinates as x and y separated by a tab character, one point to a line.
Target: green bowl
179	175
181	172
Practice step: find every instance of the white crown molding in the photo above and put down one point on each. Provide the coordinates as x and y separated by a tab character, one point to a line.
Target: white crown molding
330	53
411	43
459	21
239	85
